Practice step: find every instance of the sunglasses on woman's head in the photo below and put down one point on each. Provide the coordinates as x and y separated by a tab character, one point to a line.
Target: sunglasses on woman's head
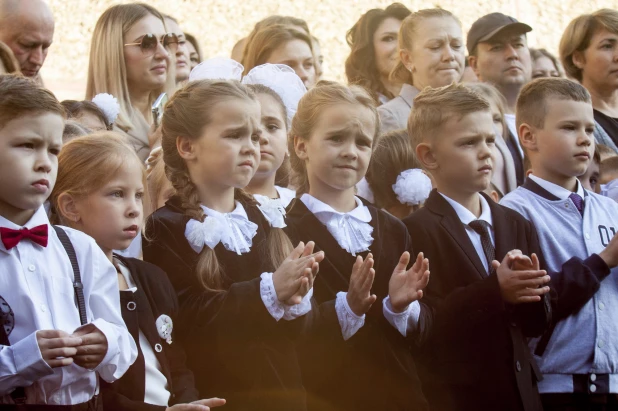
149	42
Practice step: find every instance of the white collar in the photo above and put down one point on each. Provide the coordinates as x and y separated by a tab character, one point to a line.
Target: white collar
272	209
560	192
351	230
285	195
234	230
466	216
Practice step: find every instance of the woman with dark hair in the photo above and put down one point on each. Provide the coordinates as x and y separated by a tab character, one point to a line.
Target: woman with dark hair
195	54
374	53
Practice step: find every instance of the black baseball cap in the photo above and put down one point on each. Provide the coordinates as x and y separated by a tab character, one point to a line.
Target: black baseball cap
491	24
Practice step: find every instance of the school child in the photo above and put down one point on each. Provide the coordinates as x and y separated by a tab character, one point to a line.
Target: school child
243	290
355	355
99	191
278	89
60	306
475	354
578	356
398	184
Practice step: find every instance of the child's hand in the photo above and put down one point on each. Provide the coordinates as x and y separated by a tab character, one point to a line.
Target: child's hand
518	287
404	286
294	273
201	405
93	348
57	347
359	295
610	254
305	285
522	262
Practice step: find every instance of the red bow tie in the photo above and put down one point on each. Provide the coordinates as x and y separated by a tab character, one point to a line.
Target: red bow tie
10	237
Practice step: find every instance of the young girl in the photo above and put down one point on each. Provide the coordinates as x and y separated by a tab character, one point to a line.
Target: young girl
278	89
356	355
221	253
99	191
398	184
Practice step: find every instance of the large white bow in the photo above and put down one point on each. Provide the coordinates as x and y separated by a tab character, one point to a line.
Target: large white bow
233	229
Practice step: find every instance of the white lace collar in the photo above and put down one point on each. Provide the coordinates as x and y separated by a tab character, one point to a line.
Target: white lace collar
351	230
234	230
273	209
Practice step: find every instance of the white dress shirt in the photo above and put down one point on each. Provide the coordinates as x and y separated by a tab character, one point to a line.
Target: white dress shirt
560	192
156	385
467	217
37	282
285	195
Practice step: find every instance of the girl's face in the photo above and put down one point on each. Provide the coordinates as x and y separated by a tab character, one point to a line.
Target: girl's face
113	214
273	140
437	56
227	153
297	55
145	71
497	118
385	45
339	148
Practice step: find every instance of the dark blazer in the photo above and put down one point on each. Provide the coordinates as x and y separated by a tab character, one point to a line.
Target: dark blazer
236	349
374	369
140	310
476	355
518	161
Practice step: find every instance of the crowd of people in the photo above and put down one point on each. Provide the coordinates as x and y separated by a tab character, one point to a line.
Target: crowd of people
437	234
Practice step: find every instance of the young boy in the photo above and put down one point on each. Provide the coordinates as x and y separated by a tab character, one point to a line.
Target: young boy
46	355
478	311
579	357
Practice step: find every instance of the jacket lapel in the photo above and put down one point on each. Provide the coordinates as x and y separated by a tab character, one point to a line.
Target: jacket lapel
452	224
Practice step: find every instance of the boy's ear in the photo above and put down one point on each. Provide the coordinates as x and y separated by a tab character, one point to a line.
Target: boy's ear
67	208
300	147
185	148
426	157
527	137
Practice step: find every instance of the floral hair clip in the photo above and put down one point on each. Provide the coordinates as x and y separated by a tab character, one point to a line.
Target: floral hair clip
217	68
412	187
108	105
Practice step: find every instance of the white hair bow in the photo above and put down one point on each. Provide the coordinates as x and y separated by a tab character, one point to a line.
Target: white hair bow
412	187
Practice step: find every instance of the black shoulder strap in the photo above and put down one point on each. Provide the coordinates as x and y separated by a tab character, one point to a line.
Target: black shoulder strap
78	287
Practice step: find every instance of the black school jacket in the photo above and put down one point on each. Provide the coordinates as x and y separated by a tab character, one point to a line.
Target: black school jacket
476	355
154	297
235	348
374	369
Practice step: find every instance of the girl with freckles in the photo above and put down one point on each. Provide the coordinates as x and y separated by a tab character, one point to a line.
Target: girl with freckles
356	353
243	289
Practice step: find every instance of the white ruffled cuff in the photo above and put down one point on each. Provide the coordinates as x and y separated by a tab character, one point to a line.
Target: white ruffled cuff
269	296
350	323
405	321
292	312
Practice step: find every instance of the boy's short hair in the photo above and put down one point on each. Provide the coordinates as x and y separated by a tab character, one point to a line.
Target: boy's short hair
605	151
531	105
434	106
21	96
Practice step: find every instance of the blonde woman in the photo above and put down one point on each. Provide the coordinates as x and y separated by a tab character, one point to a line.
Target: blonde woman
131	58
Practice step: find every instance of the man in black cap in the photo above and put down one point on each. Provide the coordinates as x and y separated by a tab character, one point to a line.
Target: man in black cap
499	55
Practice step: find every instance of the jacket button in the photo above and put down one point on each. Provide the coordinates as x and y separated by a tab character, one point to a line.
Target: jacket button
131	306
518	366
158	347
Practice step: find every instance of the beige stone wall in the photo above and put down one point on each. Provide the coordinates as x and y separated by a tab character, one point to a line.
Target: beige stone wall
220	23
